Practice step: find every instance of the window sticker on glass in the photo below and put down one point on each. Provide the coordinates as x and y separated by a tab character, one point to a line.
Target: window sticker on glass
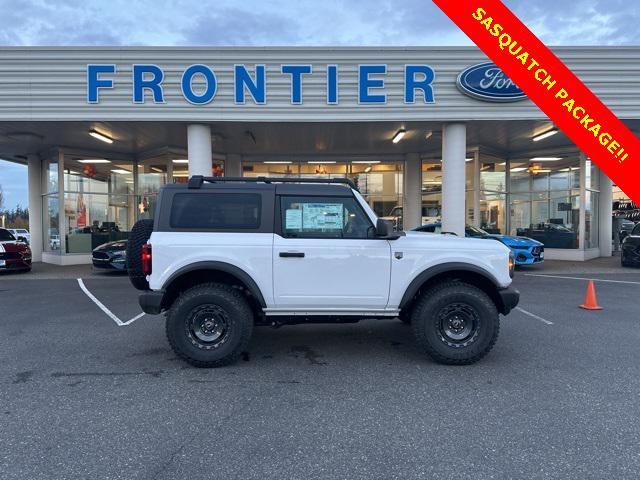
323	216
293	219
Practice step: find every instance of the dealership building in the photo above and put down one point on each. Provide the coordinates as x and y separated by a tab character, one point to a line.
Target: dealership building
428	134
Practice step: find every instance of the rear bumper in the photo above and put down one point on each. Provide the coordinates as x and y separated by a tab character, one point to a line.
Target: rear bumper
151	302
509	298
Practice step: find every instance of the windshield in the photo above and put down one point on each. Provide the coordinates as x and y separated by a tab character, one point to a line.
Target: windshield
5	235
475	231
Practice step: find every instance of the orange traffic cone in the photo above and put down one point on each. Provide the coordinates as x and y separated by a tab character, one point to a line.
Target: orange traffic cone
590	300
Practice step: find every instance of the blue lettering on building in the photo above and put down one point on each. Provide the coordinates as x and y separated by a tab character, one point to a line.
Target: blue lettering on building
199	83
366	83
147	77
257	87
95	82
199	98
296	72
418	77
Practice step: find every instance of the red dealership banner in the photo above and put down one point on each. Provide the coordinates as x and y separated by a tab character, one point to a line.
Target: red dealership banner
552	87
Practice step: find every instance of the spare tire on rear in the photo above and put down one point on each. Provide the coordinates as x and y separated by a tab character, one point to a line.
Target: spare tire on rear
140	234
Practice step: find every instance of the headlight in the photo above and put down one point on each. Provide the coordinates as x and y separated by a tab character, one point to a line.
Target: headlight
512	264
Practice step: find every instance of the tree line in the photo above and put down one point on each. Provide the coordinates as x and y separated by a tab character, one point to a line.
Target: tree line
18	217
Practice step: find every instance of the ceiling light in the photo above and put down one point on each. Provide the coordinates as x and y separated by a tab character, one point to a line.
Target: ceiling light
368	169
371	162
122	172
322	163
95	160
541	170
545	159
399	136
428	135
518	169
283	162
100	136
180	174
469	159
180	160
544	135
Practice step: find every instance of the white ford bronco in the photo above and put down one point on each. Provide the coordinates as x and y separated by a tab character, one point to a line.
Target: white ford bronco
225	254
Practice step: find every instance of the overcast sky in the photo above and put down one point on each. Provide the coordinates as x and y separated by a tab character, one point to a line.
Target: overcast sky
286	22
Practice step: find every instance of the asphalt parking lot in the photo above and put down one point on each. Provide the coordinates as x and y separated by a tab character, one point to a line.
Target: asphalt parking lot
82	397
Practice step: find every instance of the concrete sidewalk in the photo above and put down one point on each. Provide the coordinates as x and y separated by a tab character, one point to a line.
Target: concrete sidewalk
47	271
604	265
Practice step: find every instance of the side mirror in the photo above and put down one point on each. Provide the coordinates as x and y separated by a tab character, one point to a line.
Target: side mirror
22	239
384	229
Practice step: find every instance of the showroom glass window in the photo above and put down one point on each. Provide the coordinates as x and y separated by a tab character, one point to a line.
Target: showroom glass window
324	217
51	207
545	200
380	183
99	204
492	194
591	205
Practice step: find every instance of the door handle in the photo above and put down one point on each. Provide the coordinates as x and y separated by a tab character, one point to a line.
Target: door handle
292	254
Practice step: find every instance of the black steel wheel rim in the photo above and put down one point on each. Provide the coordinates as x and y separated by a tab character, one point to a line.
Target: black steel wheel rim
208	326
458	325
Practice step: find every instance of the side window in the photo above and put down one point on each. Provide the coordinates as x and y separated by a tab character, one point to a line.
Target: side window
636	230
216	211
437	229
324	217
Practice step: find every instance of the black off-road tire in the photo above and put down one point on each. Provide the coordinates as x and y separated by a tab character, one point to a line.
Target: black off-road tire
220	302
139	235
405	316
449	302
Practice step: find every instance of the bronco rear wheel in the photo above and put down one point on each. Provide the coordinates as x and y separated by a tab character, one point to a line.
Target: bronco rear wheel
209	325
455	323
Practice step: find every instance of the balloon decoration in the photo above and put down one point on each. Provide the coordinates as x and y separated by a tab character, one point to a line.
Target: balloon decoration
89	171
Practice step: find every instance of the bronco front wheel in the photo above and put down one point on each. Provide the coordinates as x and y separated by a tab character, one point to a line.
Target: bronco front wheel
455	323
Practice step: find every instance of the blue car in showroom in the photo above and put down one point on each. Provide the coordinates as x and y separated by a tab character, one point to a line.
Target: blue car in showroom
525	250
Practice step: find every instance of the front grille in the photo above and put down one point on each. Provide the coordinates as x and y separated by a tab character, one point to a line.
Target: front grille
100	256
10	255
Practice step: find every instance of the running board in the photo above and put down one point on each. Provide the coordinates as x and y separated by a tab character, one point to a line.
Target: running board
307	312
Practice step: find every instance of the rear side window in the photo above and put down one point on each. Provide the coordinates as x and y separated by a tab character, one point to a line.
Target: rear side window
636	230
216	211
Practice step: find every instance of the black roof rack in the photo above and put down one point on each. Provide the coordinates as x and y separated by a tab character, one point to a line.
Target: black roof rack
197	181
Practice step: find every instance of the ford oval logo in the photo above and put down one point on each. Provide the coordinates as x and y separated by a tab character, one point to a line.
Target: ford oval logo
487	82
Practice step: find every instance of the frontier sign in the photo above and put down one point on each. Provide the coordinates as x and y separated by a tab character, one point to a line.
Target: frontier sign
199	83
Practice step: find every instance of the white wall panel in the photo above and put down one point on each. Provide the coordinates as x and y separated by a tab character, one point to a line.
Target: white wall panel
40	83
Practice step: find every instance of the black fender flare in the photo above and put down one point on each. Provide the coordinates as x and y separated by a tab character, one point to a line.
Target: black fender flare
431	272
237	272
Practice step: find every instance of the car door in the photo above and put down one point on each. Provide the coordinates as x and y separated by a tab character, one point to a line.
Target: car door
326	256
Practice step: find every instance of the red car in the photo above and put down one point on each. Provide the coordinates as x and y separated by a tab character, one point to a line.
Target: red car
14	254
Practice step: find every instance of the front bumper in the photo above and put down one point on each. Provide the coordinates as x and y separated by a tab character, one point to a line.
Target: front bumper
151	302
529	256
509	298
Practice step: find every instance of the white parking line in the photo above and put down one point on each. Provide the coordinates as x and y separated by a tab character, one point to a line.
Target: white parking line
108	312
581	278
533	315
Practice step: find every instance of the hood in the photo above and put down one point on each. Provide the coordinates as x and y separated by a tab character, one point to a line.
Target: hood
118	245
438	240
13	246
517	241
